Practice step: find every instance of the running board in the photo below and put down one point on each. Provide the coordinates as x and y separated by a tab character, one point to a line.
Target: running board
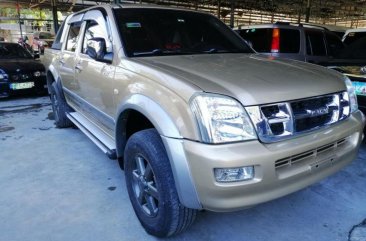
101	139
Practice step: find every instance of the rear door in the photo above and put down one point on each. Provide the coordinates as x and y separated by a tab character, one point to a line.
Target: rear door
67	57
96	78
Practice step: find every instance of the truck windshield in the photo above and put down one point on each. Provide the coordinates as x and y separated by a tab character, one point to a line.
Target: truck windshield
159	32
13	51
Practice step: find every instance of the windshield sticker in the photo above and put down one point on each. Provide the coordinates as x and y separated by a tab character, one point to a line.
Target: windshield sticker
133	25
360	87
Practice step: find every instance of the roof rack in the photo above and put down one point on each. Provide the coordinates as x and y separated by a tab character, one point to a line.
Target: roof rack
313	26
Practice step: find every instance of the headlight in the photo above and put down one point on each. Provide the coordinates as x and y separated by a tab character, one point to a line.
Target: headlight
352	94
221	119
3	75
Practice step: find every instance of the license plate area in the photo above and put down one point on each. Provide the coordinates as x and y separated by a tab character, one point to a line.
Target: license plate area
323	163
20	86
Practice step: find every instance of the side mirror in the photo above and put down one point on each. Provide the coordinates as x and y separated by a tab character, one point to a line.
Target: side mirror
36	56
96	49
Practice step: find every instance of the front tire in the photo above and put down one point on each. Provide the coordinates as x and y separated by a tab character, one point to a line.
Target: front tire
151	186
59	107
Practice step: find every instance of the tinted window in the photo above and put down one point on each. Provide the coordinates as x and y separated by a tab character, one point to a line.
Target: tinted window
335	45
57	43
13	51
353	36
289	41
72	37
315	43
356	50
147	32
261	39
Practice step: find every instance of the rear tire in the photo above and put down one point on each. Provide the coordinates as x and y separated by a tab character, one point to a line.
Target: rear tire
59	107
151	186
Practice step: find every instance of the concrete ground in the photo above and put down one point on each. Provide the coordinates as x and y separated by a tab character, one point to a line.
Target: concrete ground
55	184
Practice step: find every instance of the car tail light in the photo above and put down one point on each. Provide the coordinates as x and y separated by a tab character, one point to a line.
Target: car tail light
275	48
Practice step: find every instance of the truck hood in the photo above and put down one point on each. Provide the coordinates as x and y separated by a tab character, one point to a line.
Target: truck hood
251	78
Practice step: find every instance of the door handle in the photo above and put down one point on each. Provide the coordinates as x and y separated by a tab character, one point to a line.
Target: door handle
62	61
78	68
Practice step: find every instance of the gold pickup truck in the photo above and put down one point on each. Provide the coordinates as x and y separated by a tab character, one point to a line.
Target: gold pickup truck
195	117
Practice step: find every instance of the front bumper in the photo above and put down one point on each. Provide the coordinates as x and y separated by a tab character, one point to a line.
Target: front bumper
270	182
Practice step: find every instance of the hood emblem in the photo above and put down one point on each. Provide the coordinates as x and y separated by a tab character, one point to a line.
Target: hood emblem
17	70
317	112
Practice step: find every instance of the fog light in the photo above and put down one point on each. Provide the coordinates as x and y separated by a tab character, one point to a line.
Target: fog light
234	174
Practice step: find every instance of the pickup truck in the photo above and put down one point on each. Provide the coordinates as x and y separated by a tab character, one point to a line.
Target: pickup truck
196	118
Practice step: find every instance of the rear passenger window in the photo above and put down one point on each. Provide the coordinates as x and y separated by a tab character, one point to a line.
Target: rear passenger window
334	43
315	44
57	43
261	39
72	37
289	41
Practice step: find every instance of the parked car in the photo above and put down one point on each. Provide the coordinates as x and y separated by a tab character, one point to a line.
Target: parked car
313	44
19	72
352	35
302	42
195	117
337	30
42	40
351	61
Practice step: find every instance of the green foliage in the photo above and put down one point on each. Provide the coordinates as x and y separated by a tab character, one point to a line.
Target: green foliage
35	13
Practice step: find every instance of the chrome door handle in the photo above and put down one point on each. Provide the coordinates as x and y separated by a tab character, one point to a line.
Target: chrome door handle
78	68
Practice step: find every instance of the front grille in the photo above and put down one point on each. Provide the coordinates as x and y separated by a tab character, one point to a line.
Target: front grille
311	154
21	77
279	121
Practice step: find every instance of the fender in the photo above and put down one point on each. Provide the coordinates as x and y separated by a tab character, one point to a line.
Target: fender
171	138
53	71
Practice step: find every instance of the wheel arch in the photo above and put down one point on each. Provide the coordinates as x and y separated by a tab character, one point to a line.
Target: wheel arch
142	107
52	76
171	137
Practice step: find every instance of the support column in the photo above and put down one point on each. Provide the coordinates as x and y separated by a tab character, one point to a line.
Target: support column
54	15
307	16
219	9
232	12
20	22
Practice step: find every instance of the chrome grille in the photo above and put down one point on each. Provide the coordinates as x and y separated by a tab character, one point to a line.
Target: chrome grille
279	121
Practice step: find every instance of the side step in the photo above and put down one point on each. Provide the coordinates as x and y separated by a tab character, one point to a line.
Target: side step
101	139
